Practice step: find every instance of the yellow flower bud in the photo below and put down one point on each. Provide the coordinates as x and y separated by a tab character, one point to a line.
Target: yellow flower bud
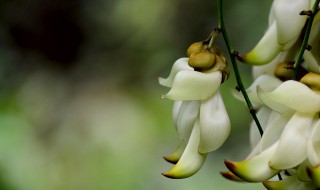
312	80
202	60
195	48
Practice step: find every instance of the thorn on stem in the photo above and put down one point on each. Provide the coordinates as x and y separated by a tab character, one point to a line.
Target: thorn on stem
252	111
238	88
309	47
217	29
236	55
290	67
308	13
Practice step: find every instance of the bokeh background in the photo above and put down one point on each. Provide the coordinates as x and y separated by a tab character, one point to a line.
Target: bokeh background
80	105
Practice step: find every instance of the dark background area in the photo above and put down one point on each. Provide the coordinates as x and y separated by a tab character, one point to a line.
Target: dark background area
79	97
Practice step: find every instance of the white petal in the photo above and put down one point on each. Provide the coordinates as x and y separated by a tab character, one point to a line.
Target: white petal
214	124
292	148
191	161
175	112
274	129
291	94
255	169
263	115
266	49
176	155
266	82
314	145
187	116
180	65
271	18
193	85
288	19
254	152
311	62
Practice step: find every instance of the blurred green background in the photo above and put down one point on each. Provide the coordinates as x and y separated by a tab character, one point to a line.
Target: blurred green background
80	105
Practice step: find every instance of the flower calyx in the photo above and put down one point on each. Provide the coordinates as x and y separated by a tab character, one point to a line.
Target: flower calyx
207	58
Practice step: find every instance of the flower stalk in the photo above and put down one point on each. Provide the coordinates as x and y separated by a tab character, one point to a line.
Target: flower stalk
233	54
304	46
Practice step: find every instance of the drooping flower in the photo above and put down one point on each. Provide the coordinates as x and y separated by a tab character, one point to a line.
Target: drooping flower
291	138
285	26
199	114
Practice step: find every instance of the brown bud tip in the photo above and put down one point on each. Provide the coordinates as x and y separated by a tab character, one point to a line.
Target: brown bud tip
309	172
229	175
230	165
170	160
165	174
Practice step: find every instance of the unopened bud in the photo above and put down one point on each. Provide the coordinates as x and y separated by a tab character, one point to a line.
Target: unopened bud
312	80
284	71
201	60
195	48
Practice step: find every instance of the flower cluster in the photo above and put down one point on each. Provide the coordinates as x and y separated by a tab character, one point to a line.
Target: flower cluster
199	113
285	95
287	109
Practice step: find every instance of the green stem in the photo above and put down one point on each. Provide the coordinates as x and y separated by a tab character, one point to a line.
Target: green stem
305	40
233	55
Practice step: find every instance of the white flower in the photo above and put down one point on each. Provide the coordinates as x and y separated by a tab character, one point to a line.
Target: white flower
199	115
285	26
286	142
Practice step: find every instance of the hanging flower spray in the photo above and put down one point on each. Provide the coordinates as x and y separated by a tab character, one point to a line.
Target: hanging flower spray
284	101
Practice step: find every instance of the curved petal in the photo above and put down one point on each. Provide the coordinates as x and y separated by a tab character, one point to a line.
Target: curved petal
288	19
291	94
266	82
311	62
187	116
266	49
229	175
193	85
214	124
289	183
180	65
313	148
263	116
292	148
176	155
191	161
274	130
267	69
255	169
175	112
